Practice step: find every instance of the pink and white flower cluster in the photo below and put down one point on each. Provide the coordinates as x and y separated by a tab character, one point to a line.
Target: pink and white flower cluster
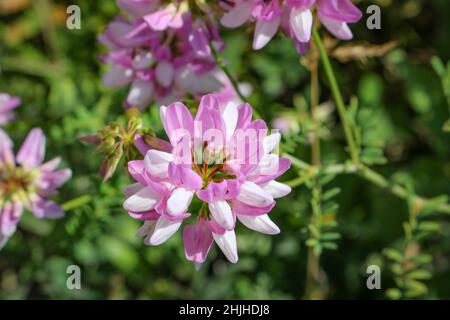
7	105
221	162
27	183
161	51
294	17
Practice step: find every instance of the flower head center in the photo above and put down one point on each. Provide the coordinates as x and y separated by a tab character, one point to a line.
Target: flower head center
210	164
14	181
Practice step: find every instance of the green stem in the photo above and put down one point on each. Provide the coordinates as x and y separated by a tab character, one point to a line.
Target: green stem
337	97
396	189
77	202
230	77
314	283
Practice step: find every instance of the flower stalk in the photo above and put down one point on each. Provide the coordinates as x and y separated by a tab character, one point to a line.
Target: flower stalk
313	280
337	97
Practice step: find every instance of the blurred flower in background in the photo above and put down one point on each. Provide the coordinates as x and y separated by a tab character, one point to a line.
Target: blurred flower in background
7	105
162	51
27	183
294	17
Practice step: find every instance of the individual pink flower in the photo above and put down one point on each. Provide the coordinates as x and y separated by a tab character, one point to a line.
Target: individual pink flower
294	17
221	159
7	105
27	183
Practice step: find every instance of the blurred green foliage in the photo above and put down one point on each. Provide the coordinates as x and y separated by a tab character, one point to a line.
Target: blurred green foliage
401	103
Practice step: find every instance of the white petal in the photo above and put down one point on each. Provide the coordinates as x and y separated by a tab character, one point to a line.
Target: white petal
253	195
157	163
164	73
270	142
277	189
260	223
188	80
339	29
179	201
207	82
143	60
164	229
221	211
269	165
117	77
227	243
265	30
146	229
238	15
301	23
141	94
143	200
230	116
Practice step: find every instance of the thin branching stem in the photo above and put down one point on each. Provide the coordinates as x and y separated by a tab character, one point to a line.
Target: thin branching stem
366	173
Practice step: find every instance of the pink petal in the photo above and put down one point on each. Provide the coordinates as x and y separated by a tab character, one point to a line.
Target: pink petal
6	152
341	10
264	32
338	28
32	151
197	241
239	14
164	73
47	209
117	76
176	118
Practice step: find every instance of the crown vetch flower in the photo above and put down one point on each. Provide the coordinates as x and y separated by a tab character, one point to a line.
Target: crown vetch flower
221	159
161	51
7	105
294	17
26	182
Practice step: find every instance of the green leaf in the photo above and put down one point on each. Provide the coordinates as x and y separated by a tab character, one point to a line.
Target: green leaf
415	289
329	245
394	293
420	274
429	226
330	207
329	236
431	205
326	179
393	254
438	66
311	242
330	194
422	259
318	250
